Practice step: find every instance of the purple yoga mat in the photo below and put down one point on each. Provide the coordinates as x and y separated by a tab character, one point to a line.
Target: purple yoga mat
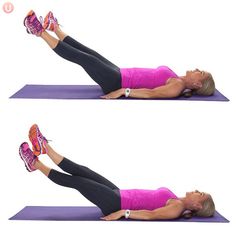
87	92
86	213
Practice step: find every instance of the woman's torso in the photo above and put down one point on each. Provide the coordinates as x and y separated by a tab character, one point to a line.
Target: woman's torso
135	78
139	199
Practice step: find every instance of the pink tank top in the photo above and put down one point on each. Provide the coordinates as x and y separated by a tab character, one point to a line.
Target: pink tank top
146	77
141	199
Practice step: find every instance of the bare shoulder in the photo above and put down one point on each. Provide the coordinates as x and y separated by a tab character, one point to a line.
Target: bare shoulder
176	84
175	81
171	89
175	202
173	209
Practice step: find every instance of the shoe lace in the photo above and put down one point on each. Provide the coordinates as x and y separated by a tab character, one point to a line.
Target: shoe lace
41	19
54	20
41	137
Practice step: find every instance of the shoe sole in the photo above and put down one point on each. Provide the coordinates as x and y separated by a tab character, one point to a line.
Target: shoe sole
37	149
34	130
48	22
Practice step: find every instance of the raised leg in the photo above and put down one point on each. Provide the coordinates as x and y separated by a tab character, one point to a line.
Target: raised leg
76	169
50	40
105	198
103	74
74	43
41	167
60	34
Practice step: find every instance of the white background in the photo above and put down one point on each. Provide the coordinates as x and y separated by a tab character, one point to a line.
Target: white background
183	145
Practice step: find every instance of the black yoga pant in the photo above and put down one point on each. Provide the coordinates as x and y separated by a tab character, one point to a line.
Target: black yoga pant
91	185
102	71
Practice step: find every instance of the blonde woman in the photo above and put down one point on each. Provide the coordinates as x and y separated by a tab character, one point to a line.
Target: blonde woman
114	203
160	82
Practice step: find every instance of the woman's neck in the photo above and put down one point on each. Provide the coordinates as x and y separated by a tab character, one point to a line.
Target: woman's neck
186	82
183	200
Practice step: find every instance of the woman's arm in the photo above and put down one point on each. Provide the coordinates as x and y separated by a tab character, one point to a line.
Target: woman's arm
171	211
170	90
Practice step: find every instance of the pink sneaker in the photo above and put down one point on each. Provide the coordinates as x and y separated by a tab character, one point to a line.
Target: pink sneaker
38	140
50	22
32	24
27	156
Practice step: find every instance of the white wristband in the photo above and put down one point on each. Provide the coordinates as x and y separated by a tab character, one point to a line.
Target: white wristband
127	92
127	214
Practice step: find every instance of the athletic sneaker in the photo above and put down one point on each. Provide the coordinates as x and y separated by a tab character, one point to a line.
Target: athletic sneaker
27	156
32	24
50	22
38	140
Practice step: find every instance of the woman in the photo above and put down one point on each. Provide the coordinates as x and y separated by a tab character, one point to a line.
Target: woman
113	202
115	82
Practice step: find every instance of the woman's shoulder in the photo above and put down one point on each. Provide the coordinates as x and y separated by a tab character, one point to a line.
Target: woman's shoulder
178	82
174	80
175	202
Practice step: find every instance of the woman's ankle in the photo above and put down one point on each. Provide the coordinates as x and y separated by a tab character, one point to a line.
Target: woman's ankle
60	34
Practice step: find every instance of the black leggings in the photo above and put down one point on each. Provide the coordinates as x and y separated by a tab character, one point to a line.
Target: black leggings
102	71
91	185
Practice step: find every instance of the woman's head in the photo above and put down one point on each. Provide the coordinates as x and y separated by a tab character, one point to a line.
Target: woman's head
201	82
200	203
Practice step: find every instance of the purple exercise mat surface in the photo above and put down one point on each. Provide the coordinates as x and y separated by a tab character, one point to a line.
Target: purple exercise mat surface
86	213
87	92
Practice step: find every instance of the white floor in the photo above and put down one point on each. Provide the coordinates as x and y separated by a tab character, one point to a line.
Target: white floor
183	145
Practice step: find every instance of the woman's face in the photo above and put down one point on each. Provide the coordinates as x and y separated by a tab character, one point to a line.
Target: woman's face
196	196
196	77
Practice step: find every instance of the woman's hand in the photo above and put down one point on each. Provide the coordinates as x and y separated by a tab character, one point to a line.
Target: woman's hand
114	94
114	216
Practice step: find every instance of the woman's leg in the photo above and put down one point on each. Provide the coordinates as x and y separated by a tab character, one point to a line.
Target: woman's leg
50	40
72	42
106	199
51	24
76	169
106	75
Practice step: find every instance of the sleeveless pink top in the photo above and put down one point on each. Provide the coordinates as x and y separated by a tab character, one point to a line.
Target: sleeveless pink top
135	78
141	199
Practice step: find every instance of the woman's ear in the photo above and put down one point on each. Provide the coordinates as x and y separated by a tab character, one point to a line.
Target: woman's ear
197	206
197	85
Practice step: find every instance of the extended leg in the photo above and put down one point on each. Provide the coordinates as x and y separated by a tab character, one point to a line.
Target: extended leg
69	40
106	199
51	24
76	169
107	76
102	72
41	146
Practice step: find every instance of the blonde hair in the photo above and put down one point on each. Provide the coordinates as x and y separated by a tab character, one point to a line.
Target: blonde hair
208	86
208	209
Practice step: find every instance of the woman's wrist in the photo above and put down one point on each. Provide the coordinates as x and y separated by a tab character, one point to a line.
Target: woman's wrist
127	213
122	213
122	91
126	92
